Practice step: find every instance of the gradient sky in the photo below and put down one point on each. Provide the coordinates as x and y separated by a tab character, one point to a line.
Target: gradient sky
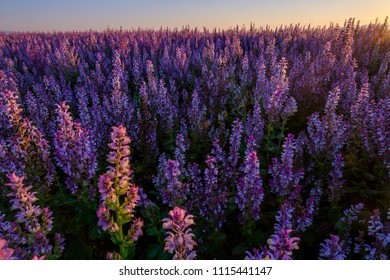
66	15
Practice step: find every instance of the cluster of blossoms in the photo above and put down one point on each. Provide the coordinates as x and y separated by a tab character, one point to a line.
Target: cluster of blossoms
118	196
28	233
74	151
255	125
179	240
250	191
24	151
280	245
213	208
176	192
370	126
332	249
235	143
328	133
280	104
377	246
284	176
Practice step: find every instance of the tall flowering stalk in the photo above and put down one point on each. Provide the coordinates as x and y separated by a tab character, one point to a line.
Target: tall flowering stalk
250	191
118	196
235	143
214	207
284	177
175	192
329	132
179	240
368	119
74	151
32	225
280	104
24	150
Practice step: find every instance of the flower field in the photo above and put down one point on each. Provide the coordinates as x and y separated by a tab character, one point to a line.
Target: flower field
252	143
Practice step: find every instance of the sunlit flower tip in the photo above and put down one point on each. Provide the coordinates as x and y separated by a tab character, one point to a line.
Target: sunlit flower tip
105	184
5	254
35	258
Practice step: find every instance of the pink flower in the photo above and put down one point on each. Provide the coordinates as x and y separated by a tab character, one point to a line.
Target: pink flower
5	254
180	237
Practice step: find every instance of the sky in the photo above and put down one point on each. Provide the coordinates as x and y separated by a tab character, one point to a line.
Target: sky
79	15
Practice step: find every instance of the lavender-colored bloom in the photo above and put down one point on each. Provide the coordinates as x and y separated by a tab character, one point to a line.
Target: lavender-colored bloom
328	133
180	153
284	177
235	143
280	104
369	125
351	214
378	248
159	180
284	217
196	187
74	150
255	125
32	223
217	194
306	216
176	192
250	192
180	237
197	111
332	249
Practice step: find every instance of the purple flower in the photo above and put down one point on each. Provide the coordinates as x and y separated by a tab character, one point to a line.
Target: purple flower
216	192
32	223
176	192
179	238
250	192
74	150
329	133
280	105
332	249
255	126
180	152
196	112
284	176
351	214
235	143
